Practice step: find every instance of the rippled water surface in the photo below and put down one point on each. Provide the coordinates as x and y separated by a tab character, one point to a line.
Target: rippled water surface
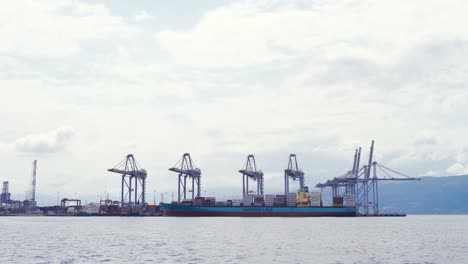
414	239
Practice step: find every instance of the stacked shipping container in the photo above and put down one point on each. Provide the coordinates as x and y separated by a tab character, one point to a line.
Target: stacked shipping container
291	199
269	200
248	199
338	201
315	199
280	200
350	200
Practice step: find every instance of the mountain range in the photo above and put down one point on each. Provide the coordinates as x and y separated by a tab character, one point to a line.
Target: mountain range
431	195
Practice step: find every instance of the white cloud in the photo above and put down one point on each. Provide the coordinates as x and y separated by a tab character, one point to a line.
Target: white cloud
53	29
425	138
51	142
431	173
457	169
455	102
252	32
142	15
462	156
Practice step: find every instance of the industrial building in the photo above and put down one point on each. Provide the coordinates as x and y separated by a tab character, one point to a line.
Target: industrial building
28	205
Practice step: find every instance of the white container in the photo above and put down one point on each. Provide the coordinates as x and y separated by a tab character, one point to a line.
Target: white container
291	197
248	199
350	200
236	202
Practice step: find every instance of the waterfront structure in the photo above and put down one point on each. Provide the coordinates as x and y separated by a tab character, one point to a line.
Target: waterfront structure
250	172
359	186
133	189
186	169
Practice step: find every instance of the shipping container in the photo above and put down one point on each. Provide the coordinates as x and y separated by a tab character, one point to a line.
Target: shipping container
350	200
247	200
338	201
236	202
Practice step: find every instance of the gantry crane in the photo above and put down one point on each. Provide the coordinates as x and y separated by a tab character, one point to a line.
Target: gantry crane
250	172
362	183
186	168
293	172
133	181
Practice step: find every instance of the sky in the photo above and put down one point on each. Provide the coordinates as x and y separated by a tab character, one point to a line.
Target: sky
84	83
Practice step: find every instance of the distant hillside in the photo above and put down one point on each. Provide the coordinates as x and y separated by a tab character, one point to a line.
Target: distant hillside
431	195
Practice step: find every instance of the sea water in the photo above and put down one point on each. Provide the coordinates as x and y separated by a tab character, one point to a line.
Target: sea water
412	239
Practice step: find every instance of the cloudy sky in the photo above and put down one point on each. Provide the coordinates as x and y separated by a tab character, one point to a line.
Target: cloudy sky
83	83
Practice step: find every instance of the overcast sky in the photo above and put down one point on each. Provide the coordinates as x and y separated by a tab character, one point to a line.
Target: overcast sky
83	83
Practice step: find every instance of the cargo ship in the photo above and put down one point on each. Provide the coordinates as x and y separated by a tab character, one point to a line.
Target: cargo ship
300	204
253	211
